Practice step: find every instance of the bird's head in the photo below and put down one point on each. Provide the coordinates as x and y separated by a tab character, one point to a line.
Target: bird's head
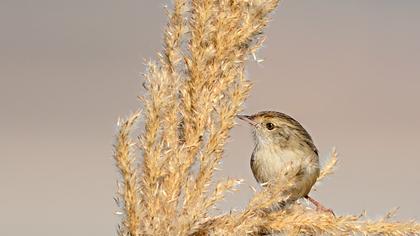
275	128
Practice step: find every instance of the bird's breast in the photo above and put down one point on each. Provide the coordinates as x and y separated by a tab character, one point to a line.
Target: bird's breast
274	164
267	163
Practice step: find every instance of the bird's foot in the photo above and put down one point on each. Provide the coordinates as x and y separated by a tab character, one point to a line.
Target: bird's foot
324	209
319	206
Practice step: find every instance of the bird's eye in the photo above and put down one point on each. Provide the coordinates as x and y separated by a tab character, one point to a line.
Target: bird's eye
269	126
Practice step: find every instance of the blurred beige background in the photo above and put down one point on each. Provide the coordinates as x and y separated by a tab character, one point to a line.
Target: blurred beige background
348	70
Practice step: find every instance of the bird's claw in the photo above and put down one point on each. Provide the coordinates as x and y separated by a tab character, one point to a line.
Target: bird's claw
321	208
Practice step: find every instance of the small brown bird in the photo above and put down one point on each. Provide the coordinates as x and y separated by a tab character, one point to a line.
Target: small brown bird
281	145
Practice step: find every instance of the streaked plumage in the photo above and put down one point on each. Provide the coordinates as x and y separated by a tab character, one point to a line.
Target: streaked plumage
281	145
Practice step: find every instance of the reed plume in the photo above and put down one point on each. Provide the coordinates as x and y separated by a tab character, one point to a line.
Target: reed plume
194	91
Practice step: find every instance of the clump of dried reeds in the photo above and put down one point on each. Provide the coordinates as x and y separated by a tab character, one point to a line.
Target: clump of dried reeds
194	91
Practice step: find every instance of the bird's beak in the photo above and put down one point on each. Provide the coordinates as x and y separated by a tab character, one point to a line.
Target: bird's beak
247	119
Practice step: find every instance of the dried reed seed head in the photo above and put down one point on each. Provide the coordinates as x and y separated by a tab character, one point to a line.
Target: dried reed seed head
194	91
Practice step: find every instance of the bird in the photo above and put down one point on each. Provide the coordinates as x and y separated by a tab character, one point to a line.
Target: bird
281	145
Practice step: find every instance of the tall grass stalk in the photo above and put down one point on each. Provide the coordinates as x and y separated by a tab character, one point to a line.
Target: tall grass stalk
194	91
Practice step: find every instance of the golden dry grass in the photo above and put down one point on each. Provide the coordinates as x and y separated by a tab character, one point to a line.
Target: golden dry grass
194	91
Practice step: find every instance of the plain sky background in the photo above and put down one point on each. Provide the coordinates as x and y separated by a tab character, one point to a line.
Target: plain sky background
348	70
